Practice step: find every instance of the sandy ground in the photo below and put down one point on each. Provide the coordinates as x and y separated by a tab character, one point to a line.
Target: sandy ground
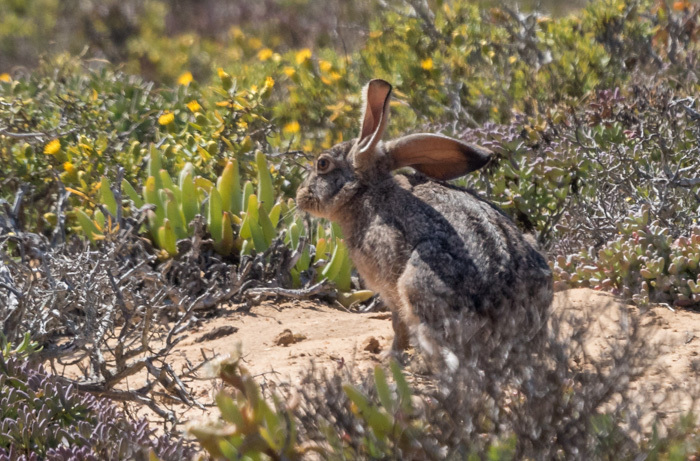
279	341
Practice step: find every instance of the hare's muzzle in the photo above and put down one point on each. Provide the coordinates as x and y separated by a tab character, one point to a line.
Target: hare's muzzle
306	200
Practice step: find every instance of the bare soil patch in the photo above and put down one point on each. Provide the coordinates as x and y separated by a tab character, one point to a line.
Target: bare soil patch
280	341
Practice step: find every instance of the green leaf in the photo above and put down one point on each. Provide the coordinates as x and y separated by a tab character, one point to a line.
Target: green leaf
304	261
87	225
187	170
154	166
153	226
248	191
99	219
168	184
380	423
339	267
383	389
320	249
402	388
190	204
275	214
229	410
131	193
266	193
357	398
229	187
257	234
215	215
225	244
266	225
150	194
107	196
167	238
173	213
228	449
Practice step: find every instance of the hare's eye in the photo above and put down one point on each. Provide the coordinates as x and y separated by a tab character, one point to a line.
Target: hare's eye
323	165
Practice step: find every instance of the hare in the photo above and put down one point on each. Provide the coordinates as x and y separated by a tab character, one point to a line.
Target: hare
428	248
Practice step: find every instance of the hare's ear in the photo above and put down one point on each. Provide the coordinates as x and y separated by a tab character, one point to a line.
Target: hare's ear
437	156
376	115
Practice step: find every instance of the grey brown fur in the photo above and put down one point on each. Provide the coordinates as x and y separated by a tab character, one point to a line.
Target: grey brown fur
432	250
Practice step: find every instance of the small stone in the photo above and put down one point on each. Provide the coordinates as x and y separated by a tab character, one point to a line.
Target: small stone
371	345
287	337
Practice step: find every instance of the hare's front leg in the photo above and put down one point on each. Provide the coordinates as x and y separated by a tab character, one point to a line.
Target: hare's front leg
401	336
401	333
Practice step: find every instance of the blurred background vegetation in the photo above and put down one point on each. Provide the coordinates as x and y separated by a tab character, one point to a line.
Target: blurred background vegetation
30	29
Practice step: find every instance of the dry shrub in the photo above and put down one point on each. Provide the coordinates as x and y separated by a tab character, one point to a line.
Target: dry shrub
111	311
561	394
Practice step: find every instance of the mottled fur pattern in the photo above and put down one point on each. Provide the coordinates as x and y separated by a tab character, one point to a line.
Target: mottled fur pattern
432	250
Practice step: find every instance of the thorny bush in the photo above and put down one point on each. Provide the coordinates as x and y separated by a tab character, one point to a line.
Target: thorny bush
103	309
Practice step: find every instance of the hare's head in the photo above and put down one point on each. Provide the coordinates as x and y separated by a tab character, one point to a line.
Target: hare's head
344	170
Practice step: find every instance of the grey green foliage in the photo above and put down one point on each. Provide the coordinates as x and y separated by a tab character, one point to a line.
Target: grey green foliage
43	418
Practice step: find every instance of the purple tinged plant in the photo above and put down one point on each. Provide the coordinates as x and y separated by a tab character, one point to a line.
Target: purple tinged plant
42	418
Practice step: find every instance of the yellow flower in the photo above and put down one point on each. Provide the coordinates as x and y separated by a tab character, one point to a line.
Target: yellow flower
427	64
185	78
166	119
267	86
254	43
226	80
303	55
53	147
291	127
194	106
289	71
325	66
512	59
335	76
236	32
68	167
375	34
264	54
5	77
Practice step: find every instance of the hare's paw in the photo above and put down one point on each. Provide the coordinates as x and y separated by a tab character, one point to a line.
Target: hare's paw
399	356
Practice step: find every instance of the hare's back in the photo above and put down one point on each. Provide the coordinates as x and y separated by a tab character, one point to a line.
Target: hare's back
475	251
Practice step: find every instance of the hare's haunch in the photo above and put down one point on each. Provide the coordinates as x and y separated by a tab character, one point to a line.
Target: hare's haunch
430	249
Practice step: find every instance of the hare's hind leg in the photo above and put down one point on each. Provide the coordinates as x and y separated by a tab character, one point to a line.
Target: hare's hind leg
423	312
